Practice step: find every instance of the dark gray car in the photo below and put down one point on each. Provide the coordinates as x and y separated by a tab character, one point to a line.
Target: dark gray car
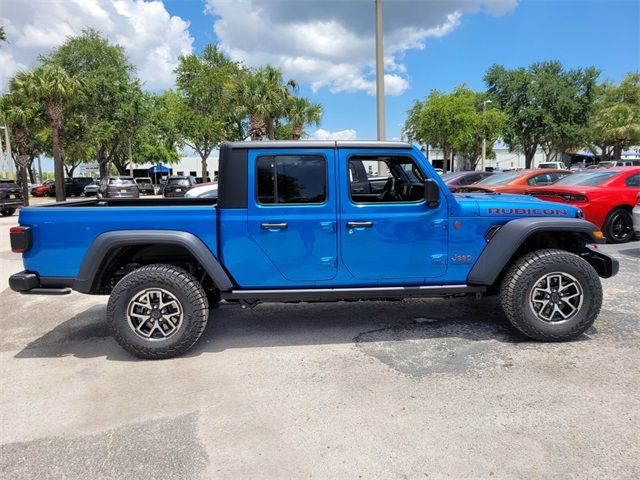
118	187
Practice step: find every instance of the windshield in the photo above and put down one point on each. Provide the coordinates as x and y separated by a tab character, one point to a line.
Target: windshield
606	164
586	178
121	181
500	178
178	182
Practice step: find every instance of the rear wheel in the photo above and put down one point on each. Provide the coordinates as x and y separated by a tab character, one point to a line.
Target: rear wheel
551	295
7	212
157	311
618	227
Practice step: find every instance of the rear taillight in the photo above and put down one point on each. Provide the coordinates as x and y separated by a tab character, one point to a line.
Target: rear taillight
21	239
571	197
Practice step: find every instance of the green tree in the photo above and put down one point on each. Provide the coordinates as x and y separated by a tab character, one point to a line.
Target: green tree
207	86
301	111
110	89
455	123
21	114
52	86
544	104
3	36
615	122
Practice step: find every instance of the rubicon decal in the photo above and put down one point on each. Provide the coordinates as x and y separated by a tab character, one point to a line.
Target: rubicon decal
526	211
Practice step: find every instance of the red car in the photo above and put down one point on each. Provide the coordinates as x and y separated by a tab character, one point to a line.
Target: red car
516	181
606	197
41	190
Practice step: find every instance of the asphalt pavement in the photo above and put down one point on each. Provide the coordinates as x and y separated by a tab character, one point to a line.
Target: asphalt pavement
416	389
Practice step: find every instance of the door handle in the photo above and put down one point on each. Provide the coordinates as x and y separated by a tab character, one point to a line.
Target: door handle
274	226
359	224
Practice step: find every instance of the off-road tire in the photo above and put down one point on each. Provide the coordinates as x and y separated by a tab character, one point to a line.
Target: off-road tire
7	212
520	279
183	286
607	228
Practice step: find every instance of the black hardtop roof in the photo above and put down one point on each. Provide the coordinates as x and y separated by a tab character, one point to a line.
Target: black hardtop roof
274	144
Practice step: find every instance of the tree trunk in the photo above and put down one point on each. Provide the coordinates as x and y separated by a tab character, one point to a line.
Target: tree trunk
296	131
529	154
617	151
256	127
54	109
271	128
203	167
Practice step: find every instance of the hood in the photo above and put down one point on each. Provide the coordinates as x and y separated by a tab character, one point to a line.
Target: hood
507	205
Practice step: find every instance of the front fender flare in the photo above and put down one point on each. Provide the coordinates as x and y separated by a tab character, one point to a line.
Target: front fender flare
105	243
504	243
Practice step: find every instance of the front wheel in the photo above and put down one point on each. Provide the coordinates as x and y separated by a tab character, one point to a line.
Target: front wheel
7	212
157	311
551	295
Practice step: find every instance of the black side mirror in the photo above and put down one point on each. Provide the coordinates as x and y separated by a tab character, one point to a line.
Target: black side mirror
431	193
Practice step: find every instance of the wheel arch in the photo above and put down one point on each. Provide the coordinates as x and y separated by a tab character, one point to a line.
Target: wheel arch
523	235
112	251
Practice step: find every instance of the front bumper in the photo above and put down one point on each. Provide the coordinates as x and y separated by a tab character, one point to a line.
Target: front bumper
636	220
31	283
603	264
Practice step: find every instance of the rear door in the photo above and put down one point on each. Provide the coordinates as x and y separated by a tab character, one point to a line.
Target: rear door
292	211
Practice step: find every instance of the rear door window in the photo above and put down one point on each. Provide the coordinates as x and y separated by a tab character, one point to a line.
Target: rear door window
294	179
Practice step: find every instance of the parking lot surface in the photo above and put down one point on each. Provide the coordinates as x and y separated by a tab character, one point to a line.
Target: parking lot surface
416	389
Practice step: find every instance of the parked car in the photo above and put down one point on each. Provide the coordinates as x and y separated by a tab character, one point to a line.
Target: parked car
619	163
10	197
145	185
177	186
41	190
516	181
553	165
203	190
288	227
606	198
92	189
118	187
636	217
72	186
456	180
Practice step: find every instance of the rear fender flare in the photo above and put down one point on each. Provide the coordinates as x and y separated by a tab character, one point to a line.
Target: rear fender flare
105	243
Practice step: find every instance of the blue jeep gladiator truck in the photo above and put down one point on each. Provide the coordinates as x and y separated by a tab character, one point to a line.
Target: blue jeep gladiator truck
300	221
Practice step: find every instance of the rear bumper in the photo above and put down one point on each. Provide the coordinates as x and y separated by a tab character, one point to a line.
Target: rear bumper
11	203
30	283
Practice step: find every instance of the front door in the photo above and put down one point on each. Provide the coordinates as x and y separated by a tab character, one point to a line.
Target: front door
393	234
293	213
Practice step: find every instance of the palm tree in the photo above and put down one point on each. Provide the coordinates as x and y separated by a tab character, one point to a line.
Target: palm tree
301	112
52	86
264	95
253	96
20	114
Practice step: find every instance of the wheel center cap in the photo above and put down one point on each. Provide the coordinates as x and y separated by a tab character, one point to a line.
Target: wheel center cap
555	297
155	314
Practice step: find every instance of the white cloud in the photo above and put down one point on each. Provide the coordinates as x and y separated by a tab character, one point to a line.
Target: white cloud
331	44
321	134
151	37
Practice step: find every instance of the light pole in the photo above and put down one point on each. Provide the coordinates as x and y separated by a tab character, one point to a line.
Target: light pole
484	135
7	142
380	78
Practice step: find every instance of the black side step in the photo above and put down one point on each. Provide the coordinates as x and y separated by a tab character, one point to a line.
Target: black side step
335	294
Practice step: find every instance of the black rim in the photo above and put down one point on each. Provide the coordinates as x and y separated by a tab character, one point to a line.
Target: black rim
621	226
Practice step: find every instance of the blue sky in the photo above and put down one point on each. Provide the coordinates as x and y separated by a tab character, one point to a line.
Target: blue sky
328	46
605	34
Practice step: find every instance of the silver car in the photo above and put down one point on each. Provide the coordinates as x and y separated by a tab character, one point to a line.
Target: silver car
636	217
